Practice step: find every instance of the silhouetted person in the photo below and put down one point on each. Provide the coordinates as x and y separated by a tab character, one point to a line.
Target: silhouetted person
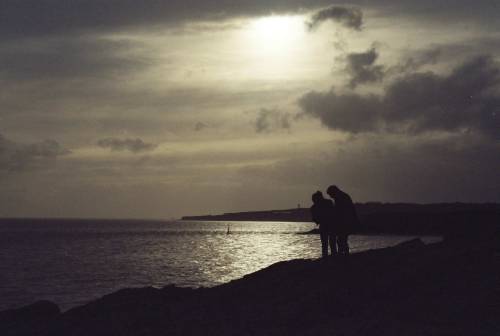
346	219
323	213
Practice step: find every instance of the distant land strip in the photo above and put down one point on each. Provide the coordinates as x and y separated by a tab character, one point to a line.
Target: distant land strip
393	218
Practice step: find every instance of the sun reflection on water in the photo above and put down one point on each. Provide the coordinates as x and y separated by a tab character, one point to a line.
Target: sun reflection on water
72	264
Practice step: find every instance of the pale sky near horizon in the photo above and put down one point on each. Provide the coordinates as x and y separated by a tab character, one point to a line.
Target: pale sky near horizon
158	109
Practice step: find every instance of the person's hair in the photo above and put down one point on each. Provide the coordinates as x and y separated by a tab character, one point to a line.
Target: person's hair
317	196
332	189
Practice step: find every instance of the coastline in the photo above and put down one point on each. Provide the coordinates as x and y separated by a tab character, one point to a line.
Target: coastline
391	218
413	289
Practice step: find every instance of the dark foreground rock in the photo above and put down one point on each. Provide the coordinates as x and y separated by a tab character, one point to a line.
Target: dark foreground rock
27	319
449	288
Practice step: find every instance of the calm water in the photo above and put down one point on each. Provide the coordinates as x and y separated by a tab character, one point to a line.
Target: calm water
72	262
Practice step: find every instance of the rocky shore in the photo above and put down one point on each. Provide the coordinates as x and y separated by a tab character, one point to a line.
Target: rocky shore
447	288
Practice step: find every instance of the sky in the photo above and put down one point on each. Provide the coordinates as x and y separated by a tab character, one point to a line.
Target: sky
159	109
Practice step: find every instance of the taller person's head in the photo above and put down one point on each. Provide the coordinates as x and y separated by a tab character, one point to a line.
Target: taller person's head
333	191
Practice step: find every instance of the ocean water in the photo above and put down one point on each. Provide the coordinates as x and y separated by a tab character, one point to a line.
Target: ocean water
72	262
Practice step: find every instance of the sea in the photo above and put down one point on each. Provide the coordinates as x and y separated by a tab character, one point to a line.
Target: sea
72	262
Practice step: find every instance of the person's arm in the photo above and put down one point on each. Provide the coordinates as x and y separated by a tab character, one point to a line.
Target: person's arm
314	217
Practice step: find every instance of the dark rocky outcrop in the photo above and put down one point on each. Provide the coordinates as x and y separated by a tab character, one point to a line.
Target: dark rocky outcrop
29	319
448	288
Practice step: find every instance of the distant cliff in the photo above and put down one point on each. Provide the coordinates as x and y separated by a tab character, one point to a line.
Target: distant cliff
287	215
397	218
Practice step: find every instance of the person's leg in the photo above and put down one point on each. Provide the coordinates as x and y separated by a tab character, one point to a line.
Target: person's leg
346	245
333	244
343	245
324	243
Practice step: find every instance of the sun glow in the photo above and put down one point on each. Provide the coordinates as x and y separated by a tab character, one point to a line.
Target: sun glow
273	43
274	26
275	32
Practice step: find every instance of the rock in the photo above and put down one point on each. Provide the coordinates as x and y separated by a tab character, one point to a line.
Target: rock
28	320
413	244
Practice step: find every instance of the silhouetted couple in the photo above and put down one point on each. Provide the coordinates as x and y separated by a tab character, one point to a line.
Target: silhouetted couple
336	221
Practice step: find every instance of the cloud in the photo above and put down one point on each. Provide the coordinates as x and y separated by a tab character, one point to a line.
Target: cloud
362	68
376	167
18	157
136	145
89	109
199	126
483	12
465	99
418	59
270	119
55	17
346	112
69	58
349	17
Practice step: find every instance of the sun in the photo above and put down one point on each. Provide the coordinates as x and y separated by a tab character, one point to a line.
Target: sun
273	26
275	32
272	42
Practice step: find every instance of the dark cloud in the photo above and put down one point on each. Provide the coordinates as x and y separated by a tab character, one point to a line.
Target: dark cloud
271	119
60	58
18	157
464	48
199	126
349	17
463	12
362	68
347	112
466	99
136	145
53	17
417	60
386	168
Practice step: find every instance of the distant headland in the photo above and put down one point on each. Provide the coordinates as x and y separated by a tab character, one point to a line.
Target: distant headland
391	218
